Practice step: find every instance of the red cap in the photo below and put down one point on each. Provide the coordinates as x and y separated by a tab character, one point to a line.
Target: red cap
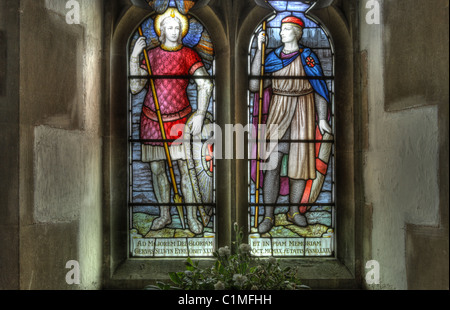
293	20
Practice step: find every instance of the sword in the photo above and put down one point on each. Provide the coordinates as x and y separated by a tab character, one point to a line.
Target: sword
177	198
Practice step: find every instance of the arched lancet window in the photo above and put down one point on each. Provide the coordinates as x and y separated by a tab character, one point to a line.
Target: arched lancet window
171	186
291	102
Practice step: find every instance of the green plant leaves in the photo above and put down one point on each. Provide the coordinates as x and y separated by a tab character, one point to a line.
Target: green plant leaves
234	271
175	278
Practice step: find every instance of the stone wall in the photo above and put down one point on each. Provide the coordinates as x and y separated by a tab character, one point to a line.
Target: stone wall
407	96
60	144
9	145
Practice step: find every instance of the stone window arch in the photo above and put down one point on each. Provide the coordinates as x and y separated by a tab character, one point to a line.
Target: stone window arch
342	269
291	95
232	61
120	265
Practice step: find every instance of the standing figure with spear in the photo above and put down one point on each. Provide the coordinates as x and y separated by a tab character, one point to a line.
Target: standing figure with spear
165	108
295	107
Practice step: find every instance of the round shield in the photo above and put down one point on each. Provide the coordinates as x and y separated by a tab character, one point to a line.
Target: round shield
323	155
200	161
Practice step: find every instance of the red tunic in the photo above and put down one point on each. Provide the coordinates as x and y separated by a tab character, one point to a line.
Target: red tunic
172	96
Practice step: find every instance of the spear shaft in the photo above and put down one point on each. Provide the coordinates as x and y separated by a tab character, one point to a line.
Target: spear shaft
260	106
177	197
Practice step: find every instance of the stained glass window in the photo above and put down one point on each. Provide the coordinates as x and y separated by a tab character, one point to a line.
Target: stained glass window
291	102
171	165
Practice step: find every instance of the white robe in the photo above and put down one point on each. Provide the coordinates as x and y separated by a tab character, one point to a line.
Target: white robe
292	105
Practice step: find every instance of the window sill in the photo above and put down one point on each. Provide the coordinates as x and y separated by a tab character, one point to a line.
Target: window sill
317	273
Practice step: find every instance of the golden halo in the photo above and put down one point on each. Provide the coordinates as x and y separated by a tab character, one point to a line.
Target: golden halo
172	12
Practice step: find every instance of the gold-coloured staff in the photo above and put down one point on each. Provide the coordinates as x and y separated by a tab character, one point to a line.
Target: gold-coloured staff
177	198
261	94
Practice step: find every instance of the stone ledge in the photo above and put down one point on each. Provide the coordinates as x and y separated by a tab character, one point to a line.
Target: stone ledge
318	273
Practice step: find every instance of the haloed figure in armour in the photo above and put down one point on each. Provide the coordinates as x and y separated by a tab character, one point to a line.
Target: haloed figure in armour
170	58
294	106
